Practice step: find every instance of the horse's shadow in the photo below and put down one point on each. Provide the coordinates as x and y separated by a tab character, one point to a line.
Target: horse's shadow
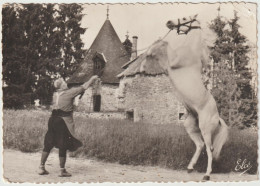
227	161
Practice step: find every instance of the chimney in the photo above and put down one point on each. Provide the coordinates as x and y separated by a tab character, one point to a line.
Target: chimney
134	48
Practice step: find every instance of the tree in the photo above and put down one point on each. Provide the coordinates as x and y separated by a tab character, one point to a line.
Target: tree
240	59
16	75
69	26
40	42
128	46
231	75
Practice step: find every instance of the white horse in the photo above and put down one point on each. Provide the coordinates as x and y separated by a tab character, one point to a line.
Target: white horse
182	57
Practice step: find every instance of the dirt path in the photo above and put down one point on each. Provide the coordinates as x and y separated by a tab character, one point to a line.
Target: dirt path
22	167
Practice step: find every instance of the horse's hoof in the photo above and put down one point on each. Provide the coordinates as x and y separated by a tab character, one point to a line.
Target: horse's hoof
206	178
189	170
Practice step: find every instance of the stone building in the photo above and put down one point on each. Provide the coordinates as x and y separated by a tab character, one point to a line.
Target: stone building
104	58
147	95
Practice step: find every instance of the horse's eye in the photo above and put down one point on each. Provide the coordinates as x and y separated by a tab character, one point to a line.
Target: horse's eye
184	18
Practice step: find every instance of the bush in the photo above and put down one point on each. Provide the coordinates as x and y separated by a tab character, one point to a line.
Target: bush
13	101
249	110
126	142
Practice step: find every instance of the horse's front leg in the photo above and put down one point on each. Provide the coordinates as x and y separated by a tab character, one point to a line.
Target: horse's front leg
193	130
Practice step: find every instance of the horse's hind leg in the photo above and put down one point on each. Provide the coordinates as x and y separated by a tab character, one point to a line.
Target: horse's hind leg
192	128
207	126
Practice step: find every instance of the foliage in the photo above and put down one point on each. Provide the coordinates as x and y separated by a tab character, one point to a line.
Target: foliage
231	74
129	143
40	42
225	91
13	101
128	46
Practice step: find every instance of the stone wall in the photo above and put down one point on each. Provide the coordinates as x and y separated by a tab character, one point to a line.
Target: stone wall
151	99
109	100
102	115
143	98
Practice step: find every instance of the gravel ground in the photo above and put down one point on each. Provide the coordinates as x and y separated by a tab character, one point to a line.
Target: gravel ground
22	167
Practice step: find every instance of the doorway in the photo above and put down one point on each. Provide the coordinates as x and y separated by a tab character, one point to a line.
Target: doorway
96	103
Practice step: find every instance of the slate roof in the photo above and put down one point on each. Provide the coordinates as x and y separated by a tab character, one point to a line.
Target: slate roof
109	45
149	63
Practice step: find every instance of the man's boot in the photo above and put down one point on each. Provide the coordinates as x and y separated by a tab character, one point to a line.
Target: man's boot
63	172
42	170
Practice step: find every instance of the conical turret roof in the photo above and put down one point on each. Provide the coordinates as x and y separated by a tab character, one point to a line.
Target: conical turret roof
109	45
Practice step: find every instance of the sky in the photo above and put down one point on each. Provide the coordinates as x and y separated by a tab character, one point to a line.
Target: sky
147	21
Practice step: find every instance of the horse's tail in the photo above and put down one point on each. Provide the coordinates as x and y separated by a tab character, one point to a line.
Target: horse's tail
220	138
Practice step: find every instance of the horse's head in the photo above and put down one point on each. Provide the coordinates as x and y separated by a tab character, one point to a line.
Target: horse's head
184	25
193	38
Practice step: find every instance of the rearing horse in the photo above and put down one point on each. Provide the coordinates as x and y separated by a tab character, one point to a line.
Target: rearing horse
182	60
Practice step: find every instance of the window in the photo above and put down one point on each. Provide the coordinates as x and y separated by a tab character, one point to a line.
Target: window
181	116
130	115
181	112
97	65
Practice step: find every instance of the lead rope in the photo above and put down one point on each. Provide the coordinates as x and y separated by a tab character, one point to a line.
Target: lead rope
153	43
149	45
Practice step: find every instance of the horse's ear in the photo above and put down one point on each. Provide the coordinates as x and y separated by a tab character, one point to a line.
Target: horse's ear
195	16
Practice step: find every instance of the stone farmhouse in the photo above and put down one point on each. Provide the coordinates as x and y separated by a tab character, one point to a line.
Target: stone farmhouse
145	96
105	58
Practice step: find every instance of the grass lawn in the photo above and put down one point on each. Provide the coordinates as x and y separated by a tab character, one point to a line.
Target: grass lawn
129	143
